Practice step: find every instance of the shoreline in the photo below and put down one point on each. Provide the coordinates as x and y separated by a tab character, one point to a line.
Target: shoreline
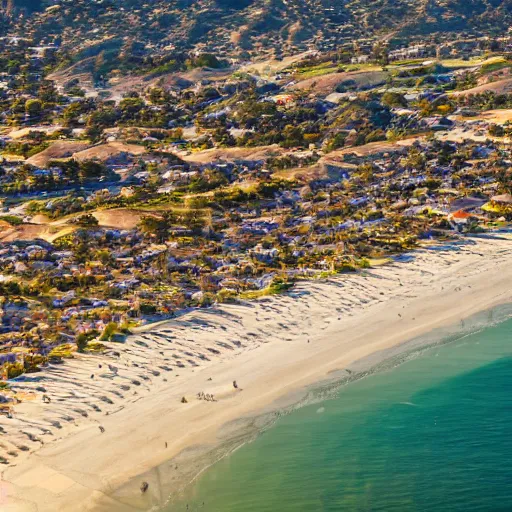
241	431
346	319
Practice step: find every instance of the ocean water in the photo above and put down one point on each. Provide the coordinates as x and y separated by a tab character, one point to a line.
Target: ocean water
432	434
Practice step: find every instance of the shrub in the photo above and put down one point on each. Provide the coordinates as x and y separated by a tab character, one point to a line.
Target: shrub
81	342
208	299
87	220
14	370
110	329
279	286
394	99
364	263
147	309
226	296
96	346
62	351
11	219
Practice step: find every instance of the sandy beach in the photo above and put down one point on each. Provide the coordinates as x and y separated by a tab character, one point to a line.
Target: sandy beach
274	348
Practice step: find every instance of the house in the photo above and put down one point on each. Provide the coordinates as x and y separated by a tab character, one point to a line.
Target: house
127	192
437	123
502	200
287	100
460	219
264	255
413	52
499	205
20	267
360	59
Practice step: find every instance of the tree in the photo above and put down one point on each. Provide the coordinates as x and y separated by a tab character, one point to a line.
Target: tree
81	248
380	54
156	95
88	220
206	60
110	329
293	136
81	342
72	113
496	130
91	169
394	99
338	141
48	93
105	256
34	107
415	159
131	106
99	66
193	220
94	132
223	137
158	226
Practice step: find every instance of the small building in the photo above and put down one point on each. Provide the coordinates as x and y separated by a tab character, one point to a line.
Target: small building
460	219
360	59
502	200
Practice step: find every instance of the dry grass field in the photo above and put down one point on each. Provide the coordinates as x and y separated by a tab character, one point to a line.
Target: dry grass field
326	84
499	87
104	152
57	151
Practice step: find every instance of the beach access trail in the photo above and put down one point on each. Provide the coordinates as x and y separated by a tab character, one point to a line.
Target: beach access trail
273	348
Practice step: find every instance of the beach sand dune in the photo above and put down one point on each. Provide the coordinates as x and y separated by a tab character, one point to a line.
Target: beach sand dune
115	417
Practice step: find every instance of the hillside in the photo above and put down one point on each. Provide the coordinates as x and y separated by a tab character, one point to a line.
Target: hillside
241	28
430	16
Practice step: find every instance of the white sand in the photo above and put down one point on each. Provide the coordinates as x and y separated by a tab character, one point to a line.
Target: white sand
345	319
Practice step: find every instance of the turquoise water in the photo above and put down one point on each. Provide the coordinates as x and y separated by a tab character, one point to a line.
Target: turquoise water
434	433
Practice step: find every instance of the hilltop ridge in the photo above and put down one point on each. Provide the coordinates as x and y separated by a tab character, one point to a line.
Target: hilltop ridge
244	28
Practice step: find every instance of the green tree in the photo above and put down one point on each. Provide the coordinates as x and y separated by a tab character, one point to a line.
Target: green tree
72	113
394	99
293	136
131	106
88	220
34	107
81	342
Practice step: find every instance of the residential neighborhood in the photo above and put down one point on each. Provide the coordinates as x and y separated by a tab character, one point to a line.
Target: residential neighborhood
159	161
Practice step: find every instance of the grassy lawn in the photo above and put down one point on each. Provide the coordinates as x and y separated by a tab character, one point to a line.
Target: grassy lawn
324	68
409	62
495	64
475	61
